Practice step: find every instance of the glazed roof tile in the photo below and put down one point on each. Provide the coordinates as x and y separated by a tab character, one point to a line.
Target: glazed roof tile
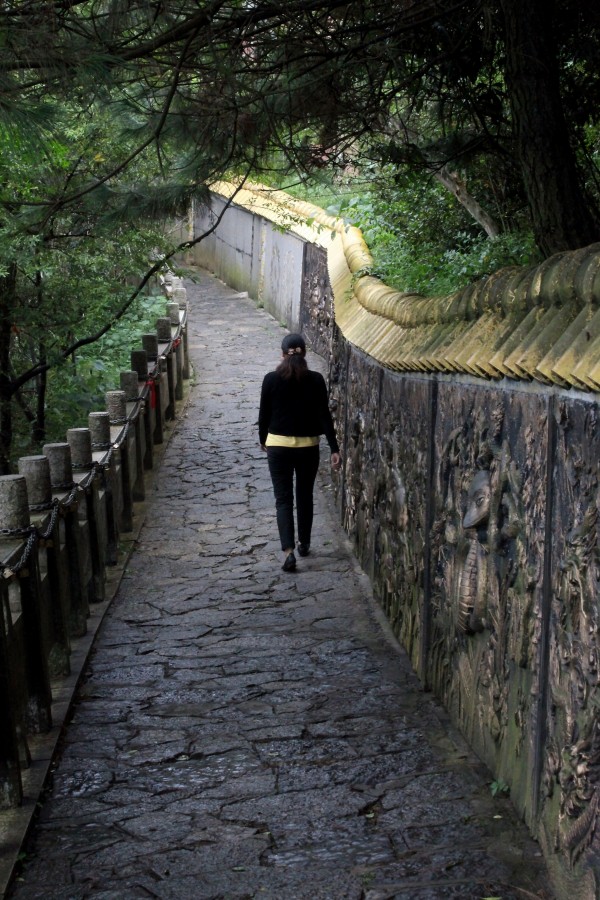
535	323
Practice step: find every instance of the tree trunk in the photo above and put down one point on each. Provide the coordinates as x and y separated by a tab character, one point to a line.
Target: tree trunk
7	305
38	429
453	183
450	180
563	214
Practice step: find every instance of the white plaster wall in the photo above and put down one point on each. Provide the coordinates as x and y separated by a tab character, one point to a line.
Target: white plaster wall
249	254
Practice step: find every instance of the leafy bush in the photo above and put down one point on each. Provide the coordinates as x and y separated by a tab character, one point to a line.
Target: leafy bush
422	240
77	388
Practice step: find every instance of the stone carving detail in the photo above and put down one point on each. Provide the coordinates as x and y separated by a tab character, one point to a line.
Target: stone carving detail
472	590
316	310
397	577
361	458
354	466
580	800
482	609
572	775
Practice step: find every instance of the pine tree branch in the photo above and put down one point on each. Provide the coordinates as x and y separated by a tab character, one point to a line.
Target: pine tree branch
39	368
55	205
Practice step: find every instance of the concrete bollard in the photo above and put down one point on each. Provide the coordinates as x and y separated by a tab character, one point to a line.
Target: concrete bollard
61	471
36	471
99	424
173	313
80	442
139	363
150	345
163	329
179	293
14	503
129	384
116	404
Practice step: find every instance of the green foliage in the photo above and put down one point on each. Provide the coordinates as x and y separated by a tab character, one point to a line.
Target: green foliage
78	386
499	788
73	265
112	116
421	239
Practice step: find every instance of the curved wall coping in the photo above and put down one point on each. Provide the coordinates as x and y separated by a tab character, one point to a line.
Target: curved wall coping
530	323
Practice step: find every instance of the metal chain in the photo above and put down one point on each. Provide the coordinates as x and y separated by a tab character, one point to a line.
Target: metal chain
71	497
8	571
42	507
34	534
44	535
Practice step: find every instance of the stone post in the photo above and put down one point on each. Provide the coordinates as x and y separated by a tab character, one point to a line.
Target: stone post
36	471
186	349
99	423
130	386
80	442
116	405
61	477
163	330
164	333
173	312
129	382
11	789
179	293
61	470
150	345
14	504
139	363
14	515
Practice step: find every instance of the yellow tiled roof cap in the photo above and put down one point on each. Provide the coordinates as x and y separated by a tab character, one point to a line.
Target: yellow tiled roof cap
538	323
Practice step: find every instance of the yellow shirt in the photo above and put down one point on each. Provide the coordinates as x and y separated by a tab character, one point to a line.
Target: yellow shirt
284	440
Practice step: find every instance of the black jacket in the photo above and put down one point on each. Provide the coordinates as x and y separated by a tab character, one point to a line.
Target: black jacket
296	407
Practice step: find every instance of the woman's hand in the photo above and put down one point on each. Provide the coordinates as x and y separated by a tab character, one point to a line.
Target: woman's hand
336	461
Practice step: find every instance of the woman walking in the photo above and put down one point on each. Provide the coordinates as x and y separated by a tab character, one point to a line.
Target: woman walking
293	413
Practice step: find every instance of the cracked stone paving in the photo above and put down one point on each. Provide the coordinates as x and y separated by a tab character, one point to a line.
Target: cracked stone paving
242	732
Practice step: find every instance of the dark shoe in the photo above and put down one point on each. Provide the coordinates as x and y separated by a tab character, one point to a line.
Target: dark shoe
290	563
303	549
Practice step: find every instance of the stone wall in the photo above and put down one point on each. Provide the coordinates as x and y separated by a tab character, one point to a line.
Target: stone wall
474	508
251	254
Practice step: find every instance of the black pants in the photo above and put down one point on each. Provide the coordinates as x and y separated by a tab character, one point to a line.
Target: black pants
283	463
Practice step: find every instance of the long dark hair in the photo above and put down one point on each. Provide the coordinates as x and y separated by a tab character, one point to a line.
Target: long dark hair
293	364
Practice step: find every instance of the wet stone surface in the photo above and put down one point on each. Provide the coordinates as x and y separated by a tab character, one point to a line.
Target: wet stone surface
242	732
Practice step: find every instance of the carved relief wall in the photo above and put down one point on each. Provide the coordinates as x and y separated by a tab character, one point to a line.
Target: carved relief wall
488	563
316	313
570	794
512	601
400	502
362	456
514	616
475	508
338	403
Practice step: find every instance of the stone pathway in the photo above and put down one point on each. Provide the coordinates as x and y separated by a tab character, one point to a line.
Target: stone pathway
242	732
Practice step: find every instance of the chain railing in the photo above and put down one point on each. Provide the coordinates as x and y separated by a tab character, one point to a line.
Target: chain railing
61	518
